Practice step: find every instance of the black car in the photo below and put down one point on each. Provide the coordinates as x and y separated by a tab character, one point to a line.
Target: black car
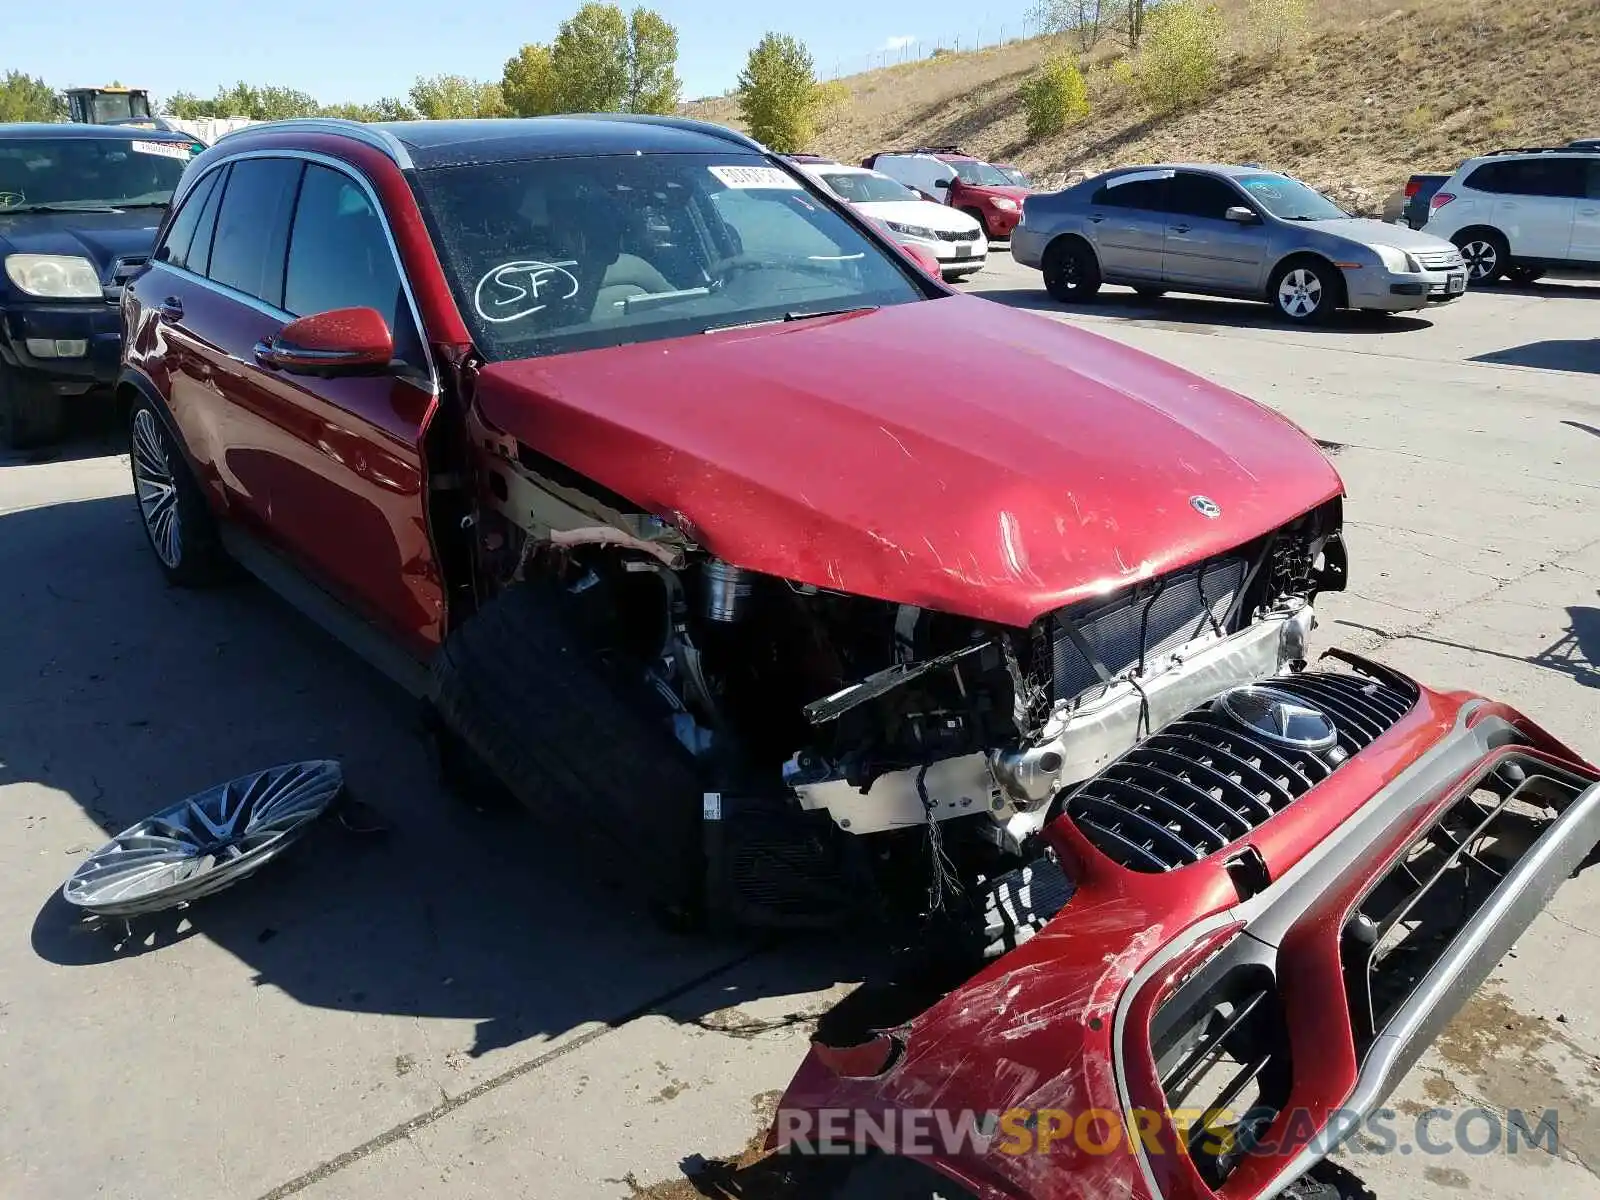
79	207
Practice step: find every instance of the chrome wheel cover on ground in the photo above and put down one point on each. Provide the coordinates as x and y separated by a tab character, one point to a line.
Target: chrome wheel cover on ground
208	842
1481	258
157	488
1299	292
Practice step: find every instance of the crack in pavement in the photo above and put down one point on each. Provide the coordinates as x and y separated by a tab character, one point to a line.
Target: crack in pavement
404	1130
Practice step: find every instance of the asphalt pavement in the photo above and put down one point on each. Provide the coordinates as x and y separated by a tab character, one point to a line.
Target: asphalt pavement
440	1010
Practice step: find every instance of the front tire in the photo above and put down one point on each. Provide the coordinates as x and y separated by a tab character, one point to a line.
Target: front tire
1485	252
176	518
578	743
1305	290
1071	272
31	414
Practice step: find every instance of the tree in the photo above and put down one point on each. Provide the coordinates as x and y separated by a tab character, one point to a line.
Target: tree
529	83
1085	21
653	85
590	60
25	98
1055	96
245	100
443	97
778	93
1133	21
1180	62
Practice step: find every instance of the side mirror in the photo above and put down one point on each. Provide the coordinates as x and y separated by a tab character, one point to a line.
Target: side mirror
1241	215
342	341
943	183
923	258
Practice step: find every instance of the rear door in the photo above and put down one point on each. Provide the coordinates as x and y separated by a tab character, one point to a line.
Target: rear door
333	467
1127	224
1204	249
1536	203
1586	224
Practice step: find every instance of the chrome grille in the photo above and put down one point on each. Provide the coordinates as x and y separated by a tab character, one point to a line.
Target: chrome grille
1438	260
1144	626
1204	782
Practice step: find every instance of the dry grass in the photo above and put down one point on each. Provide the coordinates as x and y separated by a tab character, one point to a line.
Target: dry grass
1382	88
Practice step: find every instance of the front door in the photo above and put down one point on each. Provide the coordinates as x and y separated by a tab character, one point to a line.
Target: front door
329	471
1203	248
1127	224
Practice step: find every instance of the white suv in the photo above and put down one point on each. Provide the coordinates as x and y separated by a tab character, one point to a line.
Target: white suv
1520	213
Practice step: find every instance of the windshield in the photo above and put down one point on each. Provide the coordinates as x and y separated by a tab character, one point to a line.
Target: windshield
89	172
867	189
1020	178
1289	198
552	255
979	173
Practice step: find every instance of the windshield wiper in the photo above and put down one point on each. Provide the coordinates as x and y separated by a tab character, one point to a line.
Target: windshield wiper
829	312
793	316
84	208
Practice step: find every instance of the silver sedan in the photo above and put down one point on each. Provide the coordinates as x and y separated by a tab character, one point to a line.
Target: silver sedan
1230	231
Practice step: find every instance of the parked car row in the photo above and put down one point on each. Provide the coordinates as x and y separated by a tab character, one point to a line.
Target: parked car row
1230	231
620	443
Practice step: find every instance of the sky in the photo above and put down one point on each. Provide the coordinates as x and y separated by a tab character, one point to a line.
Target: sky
359	50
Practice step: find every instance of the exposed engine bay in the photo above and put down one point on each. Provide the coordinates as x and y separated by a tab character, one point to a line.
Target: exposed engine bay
916	755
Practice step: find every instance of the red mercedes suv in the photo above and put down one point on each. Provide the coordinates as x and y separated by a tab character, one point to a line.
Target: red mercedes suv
616	439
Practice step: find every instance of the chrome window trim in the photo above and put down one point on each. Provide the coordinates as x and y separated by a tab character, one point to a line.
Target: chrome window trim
273	311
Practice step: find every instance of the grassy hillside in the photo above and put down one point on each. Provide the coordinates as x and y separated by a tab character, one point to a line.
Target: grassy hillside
1378	90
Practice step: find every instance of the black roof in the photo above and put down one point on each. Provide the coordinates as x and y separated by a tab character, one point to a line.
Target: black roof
109	133
450	143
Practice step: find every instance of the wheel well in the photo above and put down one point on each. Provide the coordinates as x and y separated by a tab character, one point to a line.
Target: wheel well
1336	276
1066	239
1466	232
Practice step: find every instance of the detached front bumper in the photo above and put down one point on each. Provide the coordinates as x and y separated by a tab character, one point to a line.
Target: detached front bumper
73	346
1217	1027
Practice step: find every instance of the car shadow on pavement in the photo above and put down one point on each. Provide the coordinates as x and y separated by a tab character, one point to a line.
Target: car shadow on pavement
1582	428
95	428
1183	310
1558	354
1549	289
123	695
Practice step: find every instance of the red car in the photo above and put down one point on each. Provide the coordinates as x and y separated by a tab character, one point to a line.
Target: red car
618	441
948	175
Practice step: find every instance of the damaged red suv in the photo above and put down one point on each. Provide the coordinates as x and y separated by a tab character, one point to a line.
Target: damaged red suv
617	441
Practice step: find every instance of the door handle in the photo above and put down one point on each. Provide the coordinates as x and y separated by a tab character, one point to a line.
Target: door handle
266	355
170	309
1096	219
1179	229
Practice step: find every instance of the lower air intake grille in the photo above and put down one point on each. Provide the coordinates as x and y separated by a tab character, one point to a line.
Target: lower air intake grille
1410	917
1144	625
1205	781
1224	1066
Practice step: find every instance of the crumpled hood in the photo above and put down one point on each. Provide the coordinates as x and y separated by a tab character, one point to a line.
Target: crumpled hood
1378	233
102	238
950	453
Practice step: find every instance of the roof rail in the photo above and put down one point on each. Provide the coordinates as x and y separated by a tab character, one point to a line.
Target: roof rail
1544	150
371	135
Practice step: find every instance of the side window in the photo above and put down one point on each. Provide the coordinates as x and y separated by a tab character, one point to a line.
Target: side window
1491	177
1594	180
174	248
205	232
339	256
253	227
1544	177
1201	196
1134	191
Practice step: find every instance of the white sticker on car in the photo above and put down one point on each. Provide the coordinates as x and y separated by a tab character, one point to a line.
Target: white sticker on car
163	149
754	177
519	289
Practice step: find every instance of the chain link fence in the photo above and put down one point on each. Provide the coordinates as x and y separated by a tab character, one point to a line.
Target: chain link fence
982	33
